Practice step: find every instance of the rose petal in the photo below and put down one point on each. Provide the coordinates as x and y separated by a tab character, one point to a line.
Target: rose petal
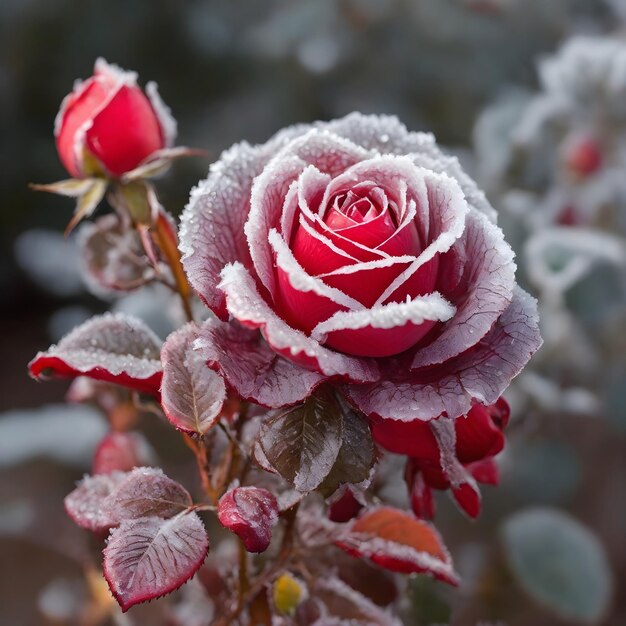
387	135
251	367
304	300
245	304
383	330
480	374
484	290
211	229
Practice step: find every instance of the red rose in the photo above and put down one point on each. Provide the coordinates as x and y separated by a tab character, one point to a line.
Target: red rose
108	125
364	256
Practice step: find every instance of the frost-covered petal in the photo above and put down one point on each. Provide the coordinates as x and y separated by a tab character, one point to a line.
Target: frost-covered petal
386	329
480	374
483	264
212	224
387	135
246	305
251	367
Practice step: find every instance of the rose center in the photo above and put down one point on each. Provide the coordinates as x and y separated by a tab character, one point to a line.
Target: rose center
354	208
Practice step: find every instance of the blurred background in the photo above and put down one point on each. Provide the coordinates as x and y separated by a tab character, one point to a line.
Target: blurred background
530	94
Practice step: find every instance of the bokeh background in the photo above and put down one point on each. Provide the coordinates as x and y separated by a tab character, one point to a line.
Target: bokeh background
467	70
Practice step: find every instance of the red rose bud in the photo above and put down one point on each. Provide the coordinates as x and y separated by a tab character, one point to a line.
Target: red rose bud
582	156
251	513
109	125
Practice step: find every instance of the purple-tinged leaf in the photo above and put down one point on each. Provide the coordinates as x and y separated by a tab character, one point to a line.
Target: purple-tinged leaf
146	492
122	451
149	557
251	367
302	443
112	256
398	542
114	348
192	395
101	502
251	513
89	505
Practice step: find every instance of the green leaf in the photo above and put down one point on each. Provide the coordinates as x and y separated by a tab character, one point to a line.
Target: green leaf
302	443
560	563
87	202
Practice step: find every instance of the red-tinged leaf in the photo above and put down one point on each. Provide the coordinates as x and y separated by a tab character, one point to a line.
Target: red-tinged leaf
114	348
147	491
398	542
112	256
192	395
149	557
251	513
89	505
122	451
421	496
101	502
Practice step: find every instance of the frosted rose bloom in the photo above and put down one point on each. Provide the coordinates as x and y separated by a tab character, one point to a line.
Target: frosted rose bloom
109	125
364	256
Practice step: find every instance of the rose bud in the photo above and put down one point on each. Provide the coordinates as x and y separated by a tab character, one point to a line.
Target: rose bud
108	125
251	513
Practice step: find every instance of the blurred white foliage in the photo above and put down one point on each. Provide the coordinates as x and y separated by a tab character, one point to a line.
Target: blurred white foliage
50	260
62	433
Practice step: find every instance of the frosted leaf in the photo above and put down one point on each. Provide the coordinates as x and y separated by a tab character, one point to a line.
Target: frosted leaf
112	256
251	367
89	505
169	127
113	348
150	557
559	563
356	455
122	451
101	502
479	374
345	603
192	395
302	443
484	264
398	542
251	513
146	492
246	305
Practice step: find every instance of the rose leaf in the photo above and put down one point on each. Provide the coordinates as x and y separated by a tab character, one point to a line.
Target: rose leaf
149	557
